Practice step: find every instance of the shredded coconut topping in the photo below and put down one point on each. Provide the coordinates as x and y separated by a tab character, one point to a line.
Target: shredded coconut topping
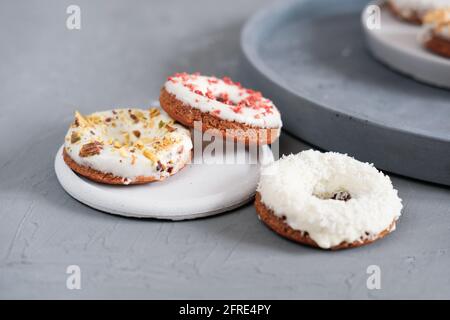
331	196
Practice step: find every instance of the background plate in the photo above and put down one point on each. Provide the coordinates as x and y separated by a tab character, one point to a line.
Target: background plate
399	45
310	57
197	191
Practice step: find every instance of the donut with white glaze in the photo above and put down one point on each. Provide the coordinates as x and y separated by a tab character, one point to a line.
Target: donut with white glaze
127	146
221	106
327	200
414	11
436	32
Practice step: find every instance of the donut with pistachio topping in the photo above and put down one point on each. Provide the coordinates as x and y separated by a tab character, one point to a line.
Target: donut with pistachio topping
126	146
221	106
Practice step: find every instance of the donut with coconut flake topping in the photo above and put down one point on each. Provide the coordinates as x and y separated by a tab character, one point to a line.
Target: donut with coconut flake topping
327	200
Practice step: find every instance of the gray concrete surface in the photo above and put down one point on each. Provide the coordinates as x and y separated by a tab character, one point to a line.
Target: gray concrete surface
120	57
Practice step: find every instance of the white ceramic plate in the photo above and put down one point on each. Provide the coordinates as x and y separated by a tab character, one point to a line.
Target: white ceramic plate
199	190
398	44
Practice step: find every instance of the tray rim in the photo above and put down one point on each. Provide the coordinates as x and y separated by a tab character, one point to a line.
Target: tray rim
267	19
252	56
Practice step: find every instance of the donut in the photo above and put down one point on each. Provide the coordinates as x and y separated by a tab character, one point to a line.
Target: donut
437	32
327	200
414	11
126	146
222	106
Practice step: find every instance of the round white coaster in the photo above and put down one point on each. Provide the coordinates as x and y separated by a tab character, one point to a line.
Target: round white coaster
199	190
399	45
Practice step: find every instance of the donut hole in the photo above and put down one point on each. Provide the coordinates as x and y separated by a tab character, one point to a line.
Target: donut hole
339	185
127	135
342	196
339	195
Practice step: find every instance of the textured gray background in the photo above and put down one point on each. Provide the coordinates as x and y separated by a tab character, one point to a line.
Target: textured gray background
121	57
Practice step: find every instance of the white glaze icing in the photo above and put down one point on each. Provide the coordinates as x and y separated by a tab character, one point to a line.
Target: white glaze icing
299	187
410	8
261	112
114	129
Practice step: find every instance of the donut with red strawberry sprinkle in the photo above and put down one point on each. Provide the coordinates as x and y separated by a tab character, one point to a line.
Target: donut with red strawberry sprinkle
221	106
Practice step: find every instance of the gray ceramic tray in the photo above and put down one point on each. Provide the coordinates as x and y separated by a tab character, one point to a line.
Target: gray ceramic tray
310	57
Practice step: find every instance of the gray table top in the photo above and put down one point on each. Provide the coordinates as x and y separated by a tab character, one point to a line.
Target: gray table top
120	57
